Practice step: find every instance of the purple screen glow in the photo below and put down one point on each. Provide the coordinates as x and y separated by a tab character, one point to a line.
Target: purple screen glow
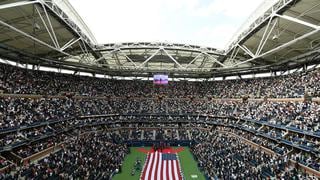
160	79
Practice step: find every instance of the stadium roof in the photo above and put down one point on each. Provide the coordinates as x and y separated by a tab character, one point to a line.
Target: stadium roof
280	34
41	31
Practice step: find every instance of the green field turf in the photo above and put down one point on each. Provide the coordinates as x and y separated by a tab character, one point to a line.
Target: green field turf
189	165
128	164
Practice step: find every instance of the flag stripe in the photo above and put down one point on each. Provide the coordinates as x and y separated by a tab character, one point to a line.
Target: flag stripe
149	166
164	170
145	167
178	169
161	166
154	169
167	170
170	169
150	177
159	171
175	171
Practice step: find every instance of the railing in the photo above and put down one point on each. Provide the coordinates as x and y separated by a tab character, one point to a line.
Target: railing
41	154
306	168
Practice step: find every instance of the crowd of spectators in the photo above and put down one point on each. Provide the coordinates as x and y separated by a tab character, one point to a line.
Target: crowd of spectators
26	111
4	162
297	116
17	112
90	156
22	81
38	146
203	134
270	119
225	156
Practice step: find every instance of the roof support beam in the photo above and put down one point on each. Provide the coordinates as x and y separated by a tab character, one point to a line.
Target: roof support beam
279	47
203	62
297	21
305	14
50	25
45	25
33	38
214	59
50	5
85	47
117	59
194	59
173	59
17	4
147	60
250	28
37	40
261	46
265	36
101	59
85	53
104	57
234	53
246	50
128	58
70	43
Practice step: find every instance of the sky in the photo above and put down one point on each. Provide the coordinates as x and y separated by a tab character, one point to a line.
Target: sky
208	23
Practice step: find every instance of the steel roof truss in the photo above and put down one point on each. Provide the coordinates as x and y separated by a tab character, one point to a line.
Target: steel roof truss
55	9
49	32
275	8
280	47
214	59
265	38
127	57
234	53
193	60
31	37
82	49
148	59
117	59
172	58
17	4
50	25
204	61
69	43
292	19
246	50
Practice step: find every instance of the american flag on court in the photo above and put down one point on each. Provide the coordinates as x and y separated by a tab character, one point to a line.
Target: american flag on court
161	166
